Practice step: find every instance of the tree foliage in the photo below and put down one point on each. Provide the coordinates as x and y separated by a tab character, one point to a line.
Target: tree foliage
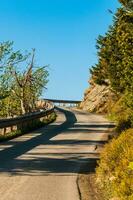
115	68
127	4
115	56
21	81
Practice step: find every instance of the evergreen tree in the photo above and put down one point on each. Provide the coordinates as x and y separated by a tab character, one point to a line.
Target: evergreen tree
115	57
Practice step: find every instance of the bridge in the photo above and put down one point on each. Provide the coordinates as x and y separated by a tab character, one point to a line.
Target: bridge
65	103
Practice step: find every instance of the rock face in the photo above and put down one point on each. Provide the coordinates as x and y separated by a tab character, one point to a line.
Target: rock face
96	98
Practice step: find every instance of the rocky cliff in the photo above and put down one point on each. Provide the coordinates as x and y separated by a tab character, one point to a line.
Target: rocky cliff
97	98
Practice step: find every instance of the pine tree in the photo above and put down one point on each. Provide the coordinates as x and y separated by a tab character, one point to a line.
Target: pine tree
115	57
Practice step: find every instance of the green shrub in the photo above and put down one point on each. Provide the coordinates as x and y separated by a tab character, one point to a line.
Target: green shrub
115	170
123	123
122	114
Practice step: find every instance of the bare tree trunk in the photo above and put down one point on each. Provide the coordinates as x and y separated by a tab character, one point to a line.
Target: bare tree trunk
22	106
22	101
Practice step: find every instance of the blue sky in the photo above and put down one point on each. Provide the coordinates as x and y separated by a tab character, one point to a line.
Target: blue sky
64	34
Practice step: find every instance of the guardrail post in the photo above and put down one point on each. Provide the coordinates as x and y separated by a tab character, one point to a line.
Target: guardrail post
25	122
4	131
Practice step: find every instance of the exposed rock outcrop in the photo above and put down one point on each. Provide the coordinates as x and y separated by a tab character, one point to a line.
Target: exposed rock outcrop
97	98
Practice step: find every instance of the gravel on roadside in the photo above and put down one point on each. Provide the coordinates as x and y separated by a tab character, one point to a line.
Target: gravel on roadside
87	187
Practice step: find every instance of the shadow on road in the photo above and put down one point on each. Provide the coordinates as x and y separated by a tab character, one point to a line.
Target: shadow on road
50	163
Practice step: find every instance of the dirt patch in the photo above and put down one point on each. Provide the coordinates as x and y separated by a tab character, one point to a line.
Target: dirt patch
87	187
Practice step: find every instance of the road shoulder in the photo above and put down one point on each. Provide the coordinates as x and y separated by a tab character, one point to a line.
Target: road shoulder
88	189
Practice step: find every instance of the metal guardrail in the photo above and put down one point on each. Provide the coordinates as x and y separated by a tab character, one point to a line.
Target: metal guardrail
24	119
63	101
8	122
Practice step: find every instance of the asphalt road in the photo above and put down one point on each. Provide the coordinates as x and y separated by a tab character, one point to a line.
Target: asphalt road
43	165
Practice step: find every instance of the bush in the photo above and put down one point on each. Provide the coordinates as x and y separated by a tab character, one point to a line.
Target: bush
122	114
115	170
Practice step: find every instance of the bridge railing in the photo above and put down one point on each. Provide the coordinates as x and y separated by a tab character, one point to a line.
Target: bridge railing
64	102
24	121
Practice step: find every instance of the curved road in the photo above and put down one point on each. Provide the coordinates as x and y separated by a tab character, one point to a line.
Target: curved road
43	165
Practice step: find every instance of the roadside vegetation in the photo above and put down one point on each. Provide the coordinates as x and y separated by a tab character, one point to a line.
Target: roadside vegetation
115	69
115	171
115	64
31	127
22	82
